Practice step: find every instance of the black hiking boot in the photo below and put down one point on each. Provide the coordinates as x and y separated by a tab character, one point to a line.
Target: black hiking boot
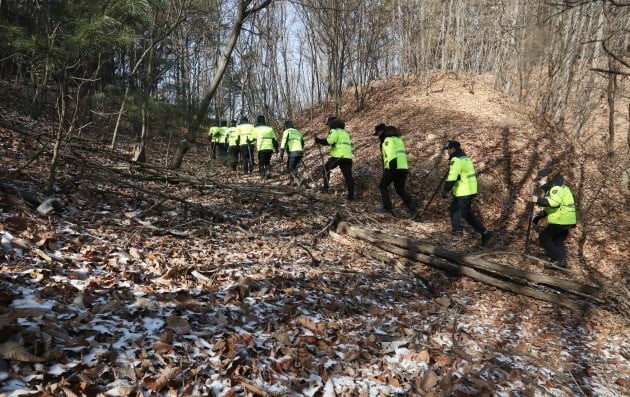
485	237
558	263
387	211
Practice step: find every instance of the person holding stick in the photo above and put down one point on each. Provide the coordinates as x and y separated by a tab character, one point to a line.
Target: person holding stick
340	153
461	182
558	206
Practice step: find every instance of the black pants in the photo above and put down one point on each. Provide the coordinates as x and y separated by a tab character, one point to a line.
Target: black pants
264	162
247	158
398	178
213	149
345	165
292	165
461	207
222	147
232	152
552	239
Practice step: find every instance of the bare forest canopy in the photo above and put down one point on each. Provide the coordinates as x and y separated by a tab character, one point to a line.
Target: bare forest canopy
155	66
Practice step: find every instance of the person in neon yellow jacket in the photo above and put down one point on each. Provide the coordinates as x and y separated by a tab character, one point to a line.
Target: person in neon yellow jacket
293	142
232	144
266	144
220	138
246	141
461	182
558	206
340	153
213	135
395	168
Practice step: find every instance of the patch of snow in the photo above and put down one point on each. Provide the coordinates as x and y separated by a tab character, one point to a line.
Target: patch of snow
14	388
152	324
30	302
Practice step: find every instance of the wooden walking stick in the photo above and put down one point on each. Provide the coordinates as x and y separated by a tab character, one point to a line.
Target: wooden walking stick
310	175
321	156
537	191
437	189
530	219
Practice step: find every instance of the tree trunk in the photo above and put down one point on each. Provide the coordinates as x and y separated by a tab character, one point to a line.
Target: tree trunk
611	94
62	112
139	153
202	110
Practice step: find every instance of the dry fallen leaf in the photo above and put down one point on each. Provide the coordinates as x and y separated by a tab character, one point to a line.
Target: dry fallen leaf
157	383
178	324
14	351
429	380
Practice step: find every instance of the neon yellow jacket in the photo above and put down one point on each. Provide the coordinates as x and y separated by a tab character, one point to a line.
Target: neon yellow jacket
212	133
231	135
292	140
341	144
393	147
265	138
561	209
462	171
245	133
220	136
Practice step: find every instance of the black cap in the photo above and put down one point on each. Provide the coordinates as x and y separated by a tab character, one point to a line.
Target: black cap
329	119
452	144
288	124
543	173
392	129
260	119
379	129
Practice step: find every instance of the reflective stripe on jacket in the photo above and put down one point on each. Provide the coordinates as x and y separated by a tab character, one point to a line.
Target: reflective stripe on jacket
292	140
341	144
265	138
462	171
245	133
561	209
393	148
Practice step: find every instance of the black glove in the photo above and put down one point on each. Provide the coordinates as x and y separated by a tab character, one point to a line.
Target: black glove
321	141
537	219
445	193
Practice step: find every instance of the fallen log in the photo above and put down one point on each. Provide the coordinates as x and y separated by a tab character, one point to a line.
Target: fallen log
450	267
473	261
516	286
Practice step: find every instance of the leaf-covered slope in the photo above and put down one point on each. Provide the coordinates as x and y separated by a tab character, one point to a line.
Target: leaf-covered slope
135	286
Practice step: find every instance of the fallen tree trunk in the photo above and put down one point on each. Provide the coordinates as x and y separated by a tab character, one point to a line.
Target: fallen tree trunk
450	267
473	261
517	286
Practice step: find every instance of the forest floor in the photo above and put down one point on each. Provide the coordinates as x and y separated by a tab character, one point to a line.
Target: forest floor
209	282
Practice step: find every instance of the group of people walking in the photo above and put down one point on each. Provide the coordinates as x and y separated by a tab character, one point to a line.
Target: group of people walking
241	141
460	183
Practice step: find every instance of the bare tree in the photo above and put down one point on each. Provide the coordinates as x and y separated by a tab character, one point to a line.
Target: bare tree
244	9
